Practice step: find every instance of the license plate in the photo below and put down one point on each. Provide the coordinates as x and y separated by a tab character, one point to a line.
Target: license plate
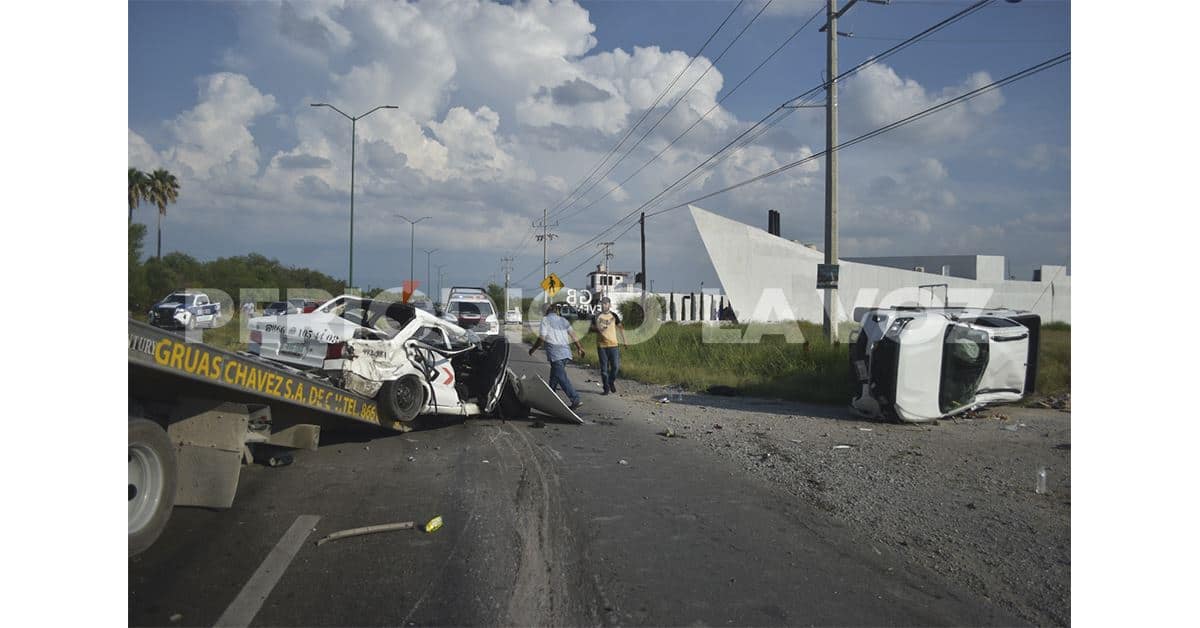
292	348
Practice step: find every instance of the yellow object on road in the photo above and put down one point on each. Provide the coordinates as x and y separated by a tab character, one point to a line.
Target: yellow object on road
434	524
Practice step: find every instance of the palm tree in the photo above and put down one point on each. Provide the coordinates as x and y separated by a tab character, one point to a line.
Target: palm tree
164	190
139	187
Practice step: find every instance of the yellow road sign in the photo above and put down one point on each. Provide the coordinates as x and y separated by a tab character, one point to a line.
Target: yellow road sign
552	284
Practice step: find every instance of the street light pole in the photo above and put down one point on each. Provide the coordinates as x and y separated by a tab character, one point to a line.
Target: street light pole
428	253
353	136
439	292
412	243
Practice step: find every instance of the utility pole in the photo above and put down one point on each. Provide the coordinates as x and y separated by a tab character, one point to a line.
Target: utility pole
506	263
428	254
544	237
829	320
644	279
607	252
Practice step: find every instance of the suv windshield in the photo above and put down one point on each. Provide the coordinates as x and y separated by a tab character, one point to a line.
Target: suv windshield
177	298
964	358
481	308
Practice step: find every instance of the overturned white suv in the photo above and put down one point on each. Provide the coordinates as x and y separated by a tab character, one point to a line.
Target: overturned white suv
410	361
918	365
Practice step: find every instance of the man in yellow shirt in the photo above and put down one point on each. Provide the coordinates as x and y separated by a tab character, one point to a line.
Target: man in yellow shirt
608	328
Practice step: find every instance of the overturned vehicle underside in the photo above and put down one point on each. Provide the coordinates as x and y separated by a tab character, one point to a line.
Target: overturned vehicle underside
920	364
410	361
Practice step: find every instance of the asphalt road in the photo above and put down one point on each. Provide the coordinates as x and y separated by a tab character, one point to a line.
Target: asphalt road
543	525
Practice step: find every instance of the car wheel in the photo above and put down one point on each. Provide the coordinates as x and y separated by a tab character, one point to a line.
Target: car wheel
152	480
402	399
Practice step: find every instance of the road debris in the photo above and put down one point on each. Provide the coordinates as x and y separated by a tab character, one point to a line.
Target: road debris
865	429
434	524
1060	401
383	527
280	460
669	433
842	446
664	400
622	461
176	618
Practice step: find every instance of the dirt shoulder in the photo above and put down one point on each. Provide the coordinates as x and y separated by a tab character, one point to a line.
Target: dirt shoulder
957	497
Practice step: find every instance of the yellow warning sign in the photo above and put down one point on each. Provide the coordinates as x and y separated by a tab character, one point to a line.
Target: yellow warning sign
552	284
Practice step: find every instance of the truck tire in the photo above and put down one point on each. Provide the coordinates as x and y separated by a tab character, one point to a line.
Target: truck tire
402	399
152	480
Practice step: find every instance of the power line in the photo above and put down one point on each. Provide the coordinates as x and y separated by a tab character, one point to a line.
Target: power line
702	117
1027	72
789	107
646	113
629	132
712	64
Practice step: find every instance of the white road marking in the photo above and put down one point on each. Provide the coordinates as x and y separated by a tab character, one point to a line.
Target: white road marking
250	599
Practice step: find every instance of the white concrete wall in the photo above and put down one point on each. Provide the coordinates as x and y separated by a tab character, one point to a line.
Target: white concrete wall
768	278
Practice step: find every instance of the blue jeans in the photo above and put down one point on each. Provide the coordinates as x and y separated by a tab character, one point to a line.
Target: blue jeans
558	376
610	363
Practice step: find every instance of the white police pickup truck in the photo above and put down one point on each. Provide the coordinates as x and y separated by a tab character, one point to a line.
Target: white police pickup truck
185	310
918	365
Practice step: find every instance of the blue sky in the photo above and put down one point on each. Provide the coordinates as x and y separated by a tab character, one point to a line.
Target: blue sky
218	93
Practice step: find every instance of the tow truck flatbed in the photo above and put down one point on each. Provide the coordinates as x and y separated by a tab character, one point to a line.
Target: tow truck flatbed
166	366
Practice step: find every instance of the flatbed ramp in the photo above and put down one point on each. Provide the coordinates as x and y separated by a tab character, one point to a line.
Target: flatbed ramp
167	366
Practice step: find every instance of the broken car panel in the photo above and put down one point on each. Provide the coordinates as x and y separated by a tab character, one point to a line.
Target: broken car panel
410	361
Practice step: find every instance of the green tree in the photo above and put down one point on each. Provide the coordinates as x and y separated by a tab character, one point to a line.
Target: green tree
497	294
139	188
139	293
164	190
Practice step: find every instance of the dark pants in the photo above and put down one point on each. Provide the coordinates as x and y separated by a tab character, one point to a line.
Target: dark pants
610	363
558	377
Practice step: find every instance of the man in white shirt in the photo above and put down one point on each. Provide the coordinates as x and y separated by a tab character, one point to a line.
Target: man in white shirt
556	334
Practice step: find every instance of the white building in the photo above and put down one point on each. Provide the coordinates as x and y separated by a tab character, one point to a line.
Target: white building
679	307
768	278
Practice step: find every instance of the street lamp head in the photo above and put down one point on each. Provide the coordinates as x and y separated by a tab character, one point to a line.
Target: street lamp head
318	104
390	107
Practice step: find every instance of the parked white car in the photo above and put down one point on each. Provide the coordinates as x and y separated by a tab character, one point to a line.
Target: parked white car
412	362
921	364
513	315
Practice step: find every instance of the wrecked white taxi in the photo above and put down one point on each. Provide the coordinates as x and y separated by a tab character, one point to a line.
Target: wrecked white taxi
918	365
411	362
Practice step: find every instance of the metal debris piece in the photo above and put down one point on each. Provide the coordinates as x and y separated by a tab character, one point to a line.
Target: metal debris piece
383	527
434	524
623	461
865	429
842	446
